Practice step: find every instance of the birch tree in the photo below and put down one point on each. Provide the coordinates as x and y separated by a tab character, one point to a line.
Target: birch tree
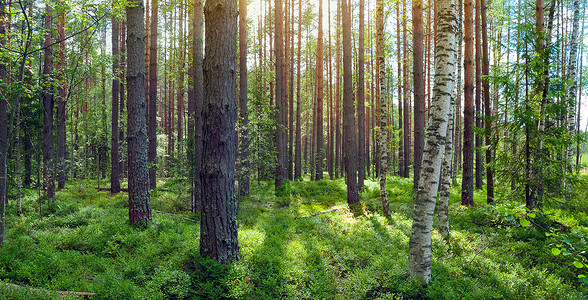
419	263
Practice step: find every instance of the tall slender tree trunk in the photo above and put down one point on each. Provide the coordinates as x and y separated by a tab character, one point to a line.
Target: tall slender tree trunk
180	85
572	90
218	225
467	186
478	96
331	140
487	105
400	109
361	100
243	113
197	45
319	150
281	138
419	260
152	128
418	87
383	107
114	160
139	199
3	124
348	110
406	93
298	148
48	101
61	172
338	136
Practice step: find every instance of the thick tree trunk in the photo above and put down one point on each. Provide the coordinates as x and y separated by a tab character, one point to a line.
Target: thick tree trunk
418	87
445	187
218	224
114	160
349	155
48	101
383	107
419	260
467	186
243	113
361	101
139	199
152	128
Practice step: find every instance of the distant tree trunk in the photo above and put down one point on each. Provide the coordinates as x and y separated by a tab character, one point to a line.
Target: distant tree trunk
400	109
418	87
338	136
152	128
289	41
114	162
348	111
48	101
298	148
331	140
61	173
122	97
361	101
419	260
406	94
383	107
319	150
478	97
139	199
281	138
198	103
218	224
243	113
487	105
3	124
467	187
457	113
180	85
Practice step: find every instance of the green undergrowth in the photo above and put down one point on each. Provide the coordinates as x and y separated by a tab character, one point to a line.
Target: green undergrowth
288	249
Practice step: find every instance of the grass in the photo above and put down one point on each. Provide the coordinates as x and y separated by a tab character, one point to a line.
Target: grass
85	244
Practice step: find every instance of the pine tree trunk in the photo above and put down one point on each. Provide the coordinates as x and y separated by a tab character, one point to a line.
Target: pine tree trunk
139	199
218	224
281	138
467	186
244	164
419	261
487	105
478	97
319	150
152	128
298	148
418	87
361	101
61	93
48	101
338	136
180	86
406	94
383	107
114	160
349	155
198	104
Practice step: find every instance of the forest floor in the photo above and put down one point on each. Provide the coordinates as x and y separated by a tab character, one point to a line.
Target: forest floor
84	244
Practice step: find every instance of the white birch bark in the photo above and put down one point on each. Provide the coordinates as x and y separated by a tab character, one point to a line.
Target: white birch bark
572	90
419	262
383	107
445	187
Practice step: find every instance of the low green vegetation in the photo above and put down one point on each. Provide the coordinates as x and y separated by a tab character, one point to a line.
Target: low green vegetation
84	244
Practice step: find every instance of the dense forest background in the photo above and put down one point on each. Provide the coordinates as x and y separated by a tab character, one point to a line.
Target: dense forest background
293	149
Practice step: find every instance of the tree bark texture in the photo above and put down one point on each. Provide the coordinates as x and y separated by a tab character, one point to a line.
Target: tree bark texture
572	89
48	102
319	150
445	187
3	124
361	100
467	186
419	261
281	138
61	94
244	164
198	102
383	107
478	97
298	148
349	153
152	128
139	199
418	87
218	225
487	105
114	160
